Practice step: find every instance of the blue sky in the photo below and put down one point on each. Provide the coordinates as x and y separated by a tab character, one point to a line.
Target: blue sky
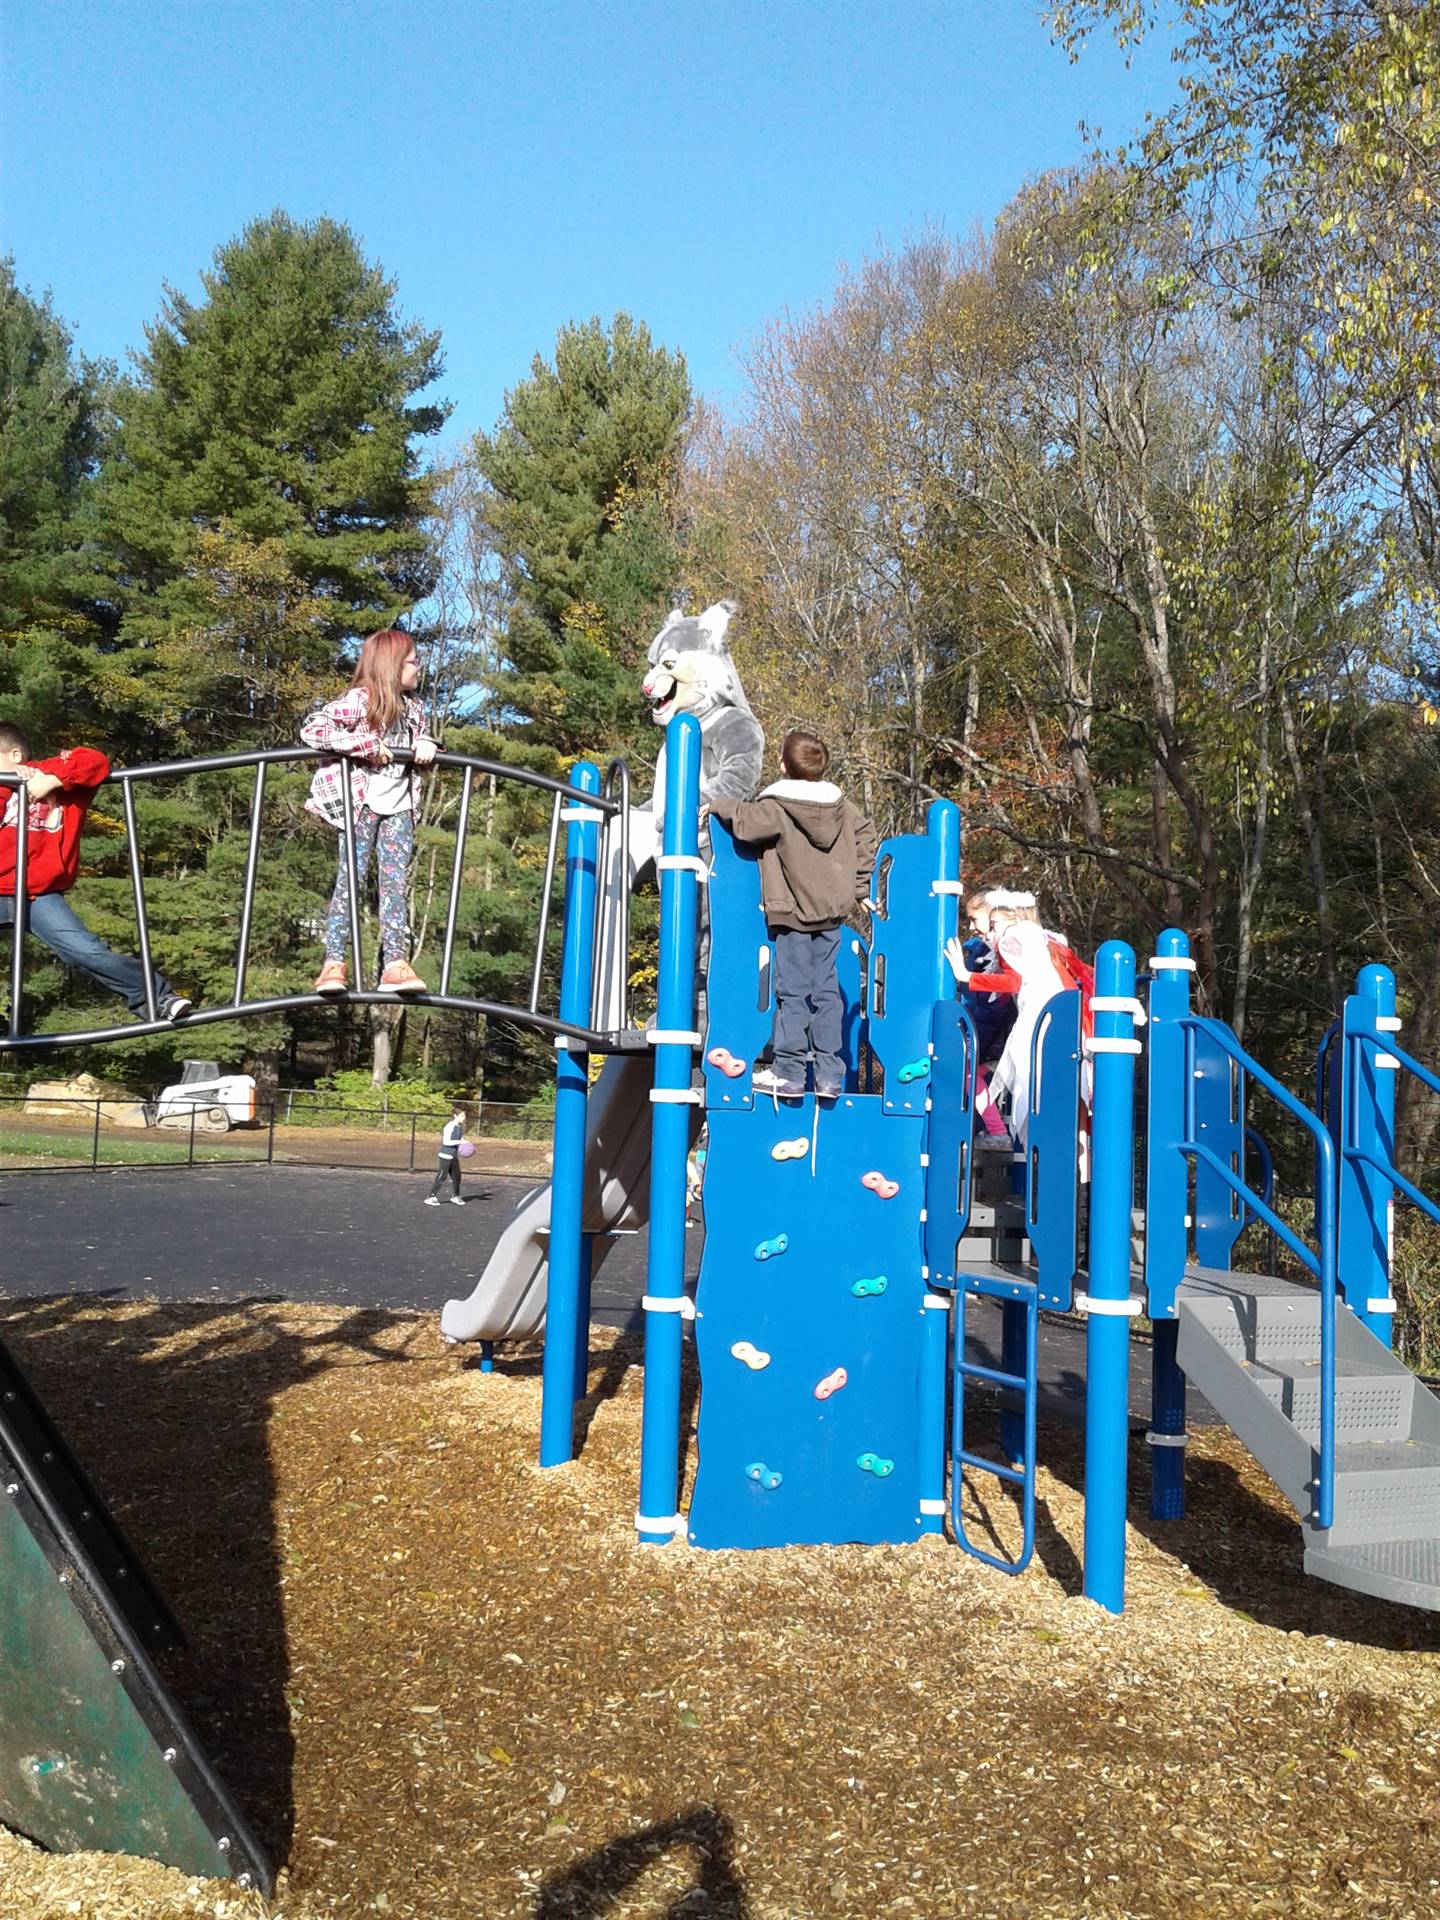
703	164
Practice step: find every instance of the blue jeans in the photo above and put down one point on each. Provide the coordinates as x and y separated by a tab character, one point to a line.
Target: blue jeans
55	923
809	1013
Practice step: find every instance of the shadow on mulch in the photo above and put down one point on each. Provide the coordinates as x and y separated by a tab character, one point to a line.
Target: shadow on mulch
593	1886
1233	1537
177	1444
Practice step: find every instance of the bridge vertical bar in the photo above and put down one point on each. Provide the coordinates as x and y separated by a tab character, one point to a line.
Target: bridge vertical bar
142	925
657	1520
1107	1332
22	907
1014	1333
1166	1191
352	883
942	831
462	827
546	888
567	1188
252	867
1366	1206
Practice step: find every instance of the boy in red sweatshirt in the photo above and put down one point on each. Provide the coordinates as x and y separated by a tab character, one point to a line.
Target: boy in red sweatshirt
58	792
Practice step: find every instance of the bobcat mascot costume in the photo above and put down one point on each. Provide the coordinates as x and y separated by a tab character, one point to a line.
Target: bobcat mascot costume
689	671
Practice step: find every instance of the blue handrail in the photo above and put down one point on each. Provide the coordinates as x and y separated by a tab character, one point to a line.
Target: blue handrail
1322	1263
1386	1044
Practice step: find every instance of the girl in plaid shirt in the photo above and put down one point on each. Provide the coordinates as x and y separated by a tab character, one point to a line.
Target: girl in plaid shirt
364	726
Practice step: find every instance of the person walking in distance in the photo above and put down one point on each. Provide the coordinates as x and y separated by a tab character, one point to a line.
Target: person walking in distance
447	1167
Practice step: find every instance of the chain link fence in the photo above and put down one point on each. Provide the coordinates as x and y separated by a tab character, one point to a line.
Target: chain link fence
71	1133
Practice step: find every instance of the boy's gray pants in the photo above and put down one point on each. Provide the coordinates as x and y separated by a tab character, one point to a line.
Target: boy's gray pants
809	1013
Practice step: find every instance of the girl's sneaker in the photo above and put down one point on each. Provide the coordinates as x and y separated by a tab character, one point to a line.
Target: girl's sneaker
331	978
401	977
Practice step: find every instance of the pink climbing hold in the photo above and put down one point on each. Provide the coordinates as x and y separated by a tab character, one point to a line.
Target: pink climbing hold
832	1383
722	1058
878	1184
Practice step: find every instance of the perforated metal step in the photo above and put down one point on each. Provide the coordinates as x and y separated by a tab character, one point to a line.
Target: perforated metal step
1251	1344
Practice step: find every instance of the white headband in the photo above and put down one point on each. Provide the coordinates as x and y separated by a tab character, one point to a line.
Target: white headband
1003	897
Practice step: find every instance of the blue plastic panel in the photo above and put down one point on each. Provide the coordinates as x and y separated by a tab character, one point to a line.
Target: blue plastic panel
740	1010
1052	1169
908	973
949	1135
1220	1118
798	1307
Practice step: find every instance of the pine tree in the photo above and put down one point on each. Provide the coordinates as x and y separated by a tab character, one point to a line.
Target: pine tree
578	474
263	498
52	583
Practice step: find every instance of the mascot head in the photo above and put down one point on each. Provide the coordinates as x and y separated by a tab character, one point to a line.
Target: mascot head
690	666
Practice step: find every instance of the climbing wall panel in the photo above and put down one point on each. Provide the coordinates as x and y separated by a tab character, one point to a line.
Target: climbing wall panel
811	1272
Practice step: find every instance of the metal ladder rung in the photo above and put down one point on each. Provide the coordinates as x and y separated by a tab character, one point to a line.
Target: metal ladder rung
1014	1474
973	1370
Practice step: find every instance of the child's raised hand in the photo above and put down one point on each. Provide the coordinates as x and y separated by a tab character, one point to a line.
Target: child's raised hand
955	954
425	751
40	785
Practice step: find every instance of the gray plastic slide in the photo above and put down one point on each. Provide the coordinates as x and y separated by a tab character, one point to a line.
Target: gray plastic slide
508	1302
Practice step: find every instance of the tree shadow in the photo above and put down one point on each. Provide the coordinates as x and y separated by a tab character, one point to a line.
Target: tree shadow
168	1409
593	1886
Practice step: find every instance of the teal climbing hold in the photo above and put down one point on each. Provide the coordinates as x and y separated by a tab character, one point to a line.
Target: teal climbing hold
866	1289
873	1463
765	1476
768	1249
913	1070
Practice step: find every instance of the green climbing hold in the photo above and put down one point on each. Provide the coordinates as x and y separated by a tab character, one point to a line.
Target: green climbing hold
765	1476
866	1289
913	1070
873	1463
769	1249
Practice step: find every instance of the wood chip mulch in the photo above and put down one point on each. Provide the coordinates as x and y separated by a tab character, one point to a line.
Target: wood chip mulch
447	1686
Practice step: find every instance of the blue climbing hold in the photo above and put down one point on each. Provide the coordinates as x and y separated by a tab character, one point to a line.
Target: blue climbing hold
765	1476
769	1249
865	1289
913	1070
873	1463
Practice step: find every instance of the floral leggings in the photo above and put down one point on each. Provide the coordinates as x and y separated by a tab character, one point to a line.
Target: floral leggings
394	836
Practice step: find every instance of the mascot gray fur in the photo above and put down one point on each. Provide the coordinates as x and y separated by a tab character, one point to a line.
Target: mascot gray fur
689	671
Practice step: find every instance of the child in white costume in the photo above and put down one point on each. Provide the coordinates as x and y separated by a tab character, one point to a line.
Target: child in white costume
1023	948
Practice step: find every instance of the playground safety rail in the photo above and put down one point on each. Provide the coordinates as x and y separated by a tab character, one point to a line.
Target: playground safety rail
608	806
1321	1262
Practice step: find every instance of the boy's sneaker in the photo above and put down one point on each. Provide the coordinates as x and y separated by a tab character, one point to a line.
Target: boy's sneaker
829	1089
176	1007
431	1201
400	977
768	1081
456	1201
331	978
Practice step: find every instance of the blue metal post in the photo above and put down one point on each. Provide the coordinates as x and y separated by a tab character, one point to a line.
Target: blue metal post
1167	1188
567	1183
487	1356
1366	1216
943	832
1107	1333
672	1096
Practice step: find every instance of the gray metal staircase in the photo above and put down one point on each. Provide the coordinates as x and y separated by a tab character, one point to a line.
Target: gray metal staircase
1251	1344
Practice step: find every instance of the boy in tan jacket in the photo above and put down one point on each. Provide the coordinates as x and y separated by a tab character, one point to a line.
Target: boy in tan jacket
816	852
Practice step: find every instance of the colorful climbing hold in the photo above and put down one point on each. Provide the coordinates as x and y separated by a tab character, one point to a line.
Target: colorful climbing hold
789	1149
869	1289
766	1476
913	1070
832	1383
725	1061
874	1463
769	1249
879	1185
751	1355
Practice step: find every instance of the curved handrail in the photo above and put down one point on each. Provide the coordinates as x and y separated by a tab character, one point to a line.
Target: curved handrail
1386	1044
609	803
1254	1138
1322	1263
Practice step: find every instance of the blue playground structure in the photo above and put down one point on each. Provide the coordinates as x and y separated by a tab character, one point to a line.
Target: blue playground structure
848	1243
